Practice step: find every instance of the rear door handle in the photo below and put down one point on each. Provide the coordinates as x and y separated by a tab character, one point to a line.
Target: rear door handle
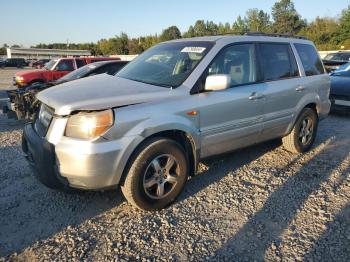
255	96
300	88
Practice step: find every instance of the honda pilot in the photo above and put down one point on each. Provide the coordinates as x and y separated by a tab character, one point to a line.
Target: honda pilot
147	128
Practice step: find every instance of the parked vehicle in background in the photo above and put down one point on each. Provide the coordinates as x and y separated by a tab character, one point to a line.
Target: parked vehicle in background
343	70
147	128
339	56
334	60
40	63
22	102
13	62
340	88
29	61
54	69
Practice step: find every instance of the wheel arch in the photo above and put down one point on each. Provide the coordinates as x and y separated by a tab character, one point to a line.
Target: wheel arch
312	105
37	80
185	139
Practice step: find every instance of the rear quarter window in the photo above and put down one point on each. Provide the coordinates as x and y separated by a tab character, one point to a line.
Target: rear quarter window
309	58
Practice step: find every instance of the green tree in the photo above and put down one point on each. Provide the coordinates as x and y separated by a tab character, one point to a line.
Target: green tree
148	41
3	50
170	33
257	20
135	47
344	29
117	45
190	32
239	25
224	28
286	18
200	28
323	32
211	28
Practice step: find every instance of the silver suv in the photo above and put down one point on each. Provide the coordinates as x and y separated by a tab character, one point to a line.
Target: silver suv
147	128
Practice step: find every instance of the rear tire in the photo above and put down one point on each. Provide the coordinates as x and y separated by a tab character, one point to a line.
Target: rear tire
304	132
157	174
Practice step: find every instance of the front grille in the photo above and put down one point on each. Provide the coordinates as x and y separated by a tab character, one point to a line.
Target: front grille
43	120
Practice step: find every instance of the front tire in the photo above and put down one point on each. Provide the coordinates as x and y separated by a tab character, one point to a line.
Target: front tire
157	174
304	132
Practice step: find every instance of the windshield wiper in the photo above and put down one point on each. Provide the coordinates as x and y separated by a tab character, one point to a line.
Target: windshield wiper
151	83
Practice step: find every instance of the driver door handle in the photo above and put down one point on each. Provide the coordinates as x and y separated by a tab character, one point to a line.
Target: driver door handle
300	88
255	96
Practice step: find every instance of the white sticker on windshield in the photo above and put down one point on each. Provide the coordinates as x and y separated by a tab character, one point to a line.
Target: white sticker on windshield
193	49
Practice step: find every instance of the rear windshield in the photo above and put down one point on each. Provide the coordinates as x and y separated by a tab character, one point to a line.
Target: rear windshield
167	64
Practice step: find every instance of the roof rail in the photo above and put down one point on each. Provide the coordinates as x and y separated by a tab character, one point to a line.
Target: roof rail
266	34
275	35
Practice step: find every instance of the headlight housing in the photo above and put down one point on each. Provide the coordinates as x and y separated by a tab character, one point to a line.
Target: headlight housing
89	125
19	78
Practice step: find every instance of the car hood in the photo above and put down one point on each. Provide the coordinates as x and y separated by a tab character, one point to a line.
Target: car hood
100	92
26	72
340	85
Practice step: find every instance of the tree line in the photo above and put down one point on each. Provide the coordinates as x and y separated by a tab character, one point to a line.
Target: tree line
326	32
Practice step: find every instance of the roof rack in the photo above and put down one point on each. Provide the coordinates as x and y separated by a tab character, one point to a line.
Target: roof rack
276	35
266	34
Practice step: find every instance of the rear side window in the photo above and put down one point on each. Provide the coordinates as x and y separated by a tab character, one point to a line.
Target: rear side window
277	61
310	59
80	62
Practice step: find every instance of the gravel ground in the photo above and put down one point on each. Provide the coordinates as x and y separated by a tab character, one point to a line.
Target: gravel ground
260	203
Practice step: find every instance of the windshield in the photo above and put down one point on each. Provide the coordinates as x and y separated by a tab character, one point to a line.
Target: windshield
50	64
82	71
167	64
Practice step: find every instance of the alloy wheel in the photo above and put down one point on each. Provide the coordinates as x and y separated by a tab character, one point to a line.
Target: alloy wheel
161	176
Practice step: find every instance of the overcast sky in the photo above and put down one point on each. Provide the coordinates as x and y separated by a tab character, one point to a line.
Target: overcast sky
29	22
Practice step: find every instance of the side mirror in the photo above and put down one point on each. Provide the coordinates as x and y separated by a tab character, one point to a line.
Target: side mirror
217	82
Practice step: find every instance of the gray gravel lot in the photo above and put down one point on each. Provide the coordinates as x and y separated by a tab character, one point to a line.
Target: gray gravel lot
259	203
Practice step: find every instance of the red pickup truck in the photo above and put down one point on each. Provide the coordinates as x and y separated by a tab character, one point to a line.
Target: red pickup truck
54	69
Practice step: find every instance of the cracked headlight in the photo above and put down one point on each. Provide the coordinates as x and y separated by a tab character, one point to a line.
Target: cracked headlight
89	125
